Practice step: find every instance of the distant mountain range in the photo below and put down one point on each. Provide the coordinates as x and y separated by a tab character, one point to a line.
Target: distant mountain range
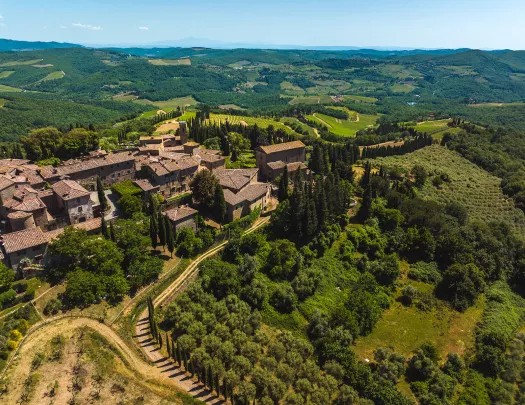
12	45
191	42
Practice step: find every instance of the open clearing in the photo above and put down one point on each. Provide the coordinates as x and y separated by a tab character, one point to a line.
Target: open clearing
125	97
407	328
517	104
172	104
6	73
9	89
3	102
344	127
231	107
402	88
476	189
170	62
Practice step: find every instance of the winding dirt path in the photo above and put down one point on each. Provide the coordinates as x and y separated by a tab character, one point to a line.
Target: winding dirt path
160	369
323	121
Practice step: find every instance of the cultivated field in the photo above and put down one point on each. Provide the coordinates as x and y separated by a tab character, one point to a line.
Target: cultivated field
402	88
477	190
170	62
360	99
261	122
172	104
3	102
322	99
344	127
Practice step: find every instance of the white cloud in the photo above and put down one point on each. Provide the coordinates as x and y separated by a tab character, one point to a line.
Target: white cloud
63	27
88	27
1	17
144	28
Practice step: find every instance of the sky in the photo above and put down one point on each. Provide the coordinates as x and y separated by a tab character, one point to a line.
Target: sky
483	24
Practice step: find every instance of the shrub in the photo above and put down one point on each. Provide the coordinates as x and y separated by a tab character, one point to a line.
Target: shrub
126	188
426	272
52	307
284	299
11	345
7	298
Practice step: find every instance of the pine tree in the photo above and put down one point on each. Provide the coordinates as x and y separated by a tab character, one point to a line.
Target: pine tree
153	232
101	196
162	230
219	204
170	238
104	227
112	234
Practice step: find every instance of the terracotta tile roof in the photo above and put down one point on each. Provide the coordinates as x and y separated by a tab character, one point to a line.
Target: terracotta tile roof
251	193
235	179
16	241
145	185
69	189
191	144
13	162
179	149
78	166
180	213
90	225
150	139
279	147
5	182
19	215
276	165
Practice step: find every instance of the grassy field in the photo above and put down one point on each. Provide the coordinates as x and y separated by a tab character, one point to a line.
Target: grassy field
291	89
230	107
460	70
53	76
20	63
407	328
170	62
171	104
9	89
289	120
344	127
477	190
402	88
261	122
124	97
6	73
432	126
517	104
3	102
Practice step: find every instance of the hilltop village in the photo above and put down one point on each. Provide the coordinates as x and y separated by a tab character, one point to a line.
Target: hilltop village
38	202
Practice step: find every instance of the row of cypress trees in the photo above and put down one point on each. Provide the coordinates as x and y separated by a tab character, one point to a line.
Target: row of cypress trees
160	228
182	358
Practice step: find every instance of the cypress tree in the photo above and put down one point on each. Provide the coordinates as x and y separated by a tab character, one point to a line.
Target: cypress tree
153	232
217	384
104	228
168	345
112	234
219	204
101	196
185	359
162	230
283	185
170	238
179	355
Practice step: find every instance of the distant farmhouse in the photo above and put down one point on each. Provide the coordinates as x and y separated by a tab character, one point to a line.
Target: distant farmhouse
272	159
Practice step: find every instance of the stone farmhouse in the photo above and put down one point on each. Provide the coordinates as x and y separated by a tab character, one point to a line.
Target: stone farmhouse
271	159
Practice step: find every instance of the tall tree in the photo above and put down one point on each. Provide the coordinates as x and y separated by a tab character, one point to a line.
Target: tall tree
112	234
104	228
170	237
153	232
219	204
101	196
162	230
283	185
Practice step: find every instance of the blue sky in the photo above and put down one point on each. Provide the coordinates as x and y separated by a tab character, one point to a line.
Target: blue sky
486	24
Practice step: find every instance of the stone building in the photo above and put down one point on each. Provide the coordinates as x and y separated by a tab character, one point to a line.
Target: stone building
74	201
249	198
182	217
288	152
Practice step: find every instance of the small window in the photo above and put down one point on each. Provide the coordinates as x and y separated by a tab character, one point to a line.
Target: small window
79	209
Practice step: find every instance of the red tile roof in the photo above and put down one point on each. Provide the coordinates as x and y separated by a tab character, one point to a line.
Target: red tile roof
16	241
279	147
69	189
251	193
180	213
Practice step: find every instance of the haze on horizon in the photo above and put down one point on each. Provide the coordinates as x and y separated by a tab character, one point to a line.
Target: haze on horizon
483	24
